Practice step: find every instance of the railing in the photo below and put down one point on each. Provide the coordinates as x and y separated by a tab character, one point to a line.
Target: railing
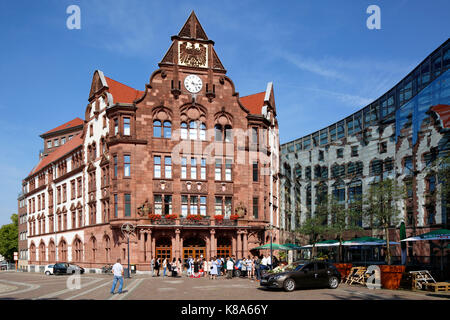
226	222
202	222
164	221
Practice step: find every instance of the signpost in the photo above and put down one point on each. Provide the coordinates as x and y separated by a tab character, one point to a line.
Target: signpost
127	229
16	258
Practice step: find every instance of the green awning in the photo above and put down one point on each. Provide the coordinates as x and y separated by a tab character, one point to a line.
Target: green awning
275	246
292	246
441	234
366	241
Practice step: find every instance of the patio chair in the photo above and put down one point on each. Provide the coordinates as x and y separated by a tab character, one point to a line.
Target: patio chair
358	276
421	278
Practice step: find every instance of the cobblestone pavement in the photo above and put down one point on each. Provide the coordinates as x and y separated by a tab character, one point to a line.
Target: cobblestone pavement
18	285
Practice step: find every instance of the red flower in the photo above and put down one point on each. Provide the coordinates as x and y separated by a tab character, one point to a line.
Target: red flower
154	216
234	217
218	217
196	217
171	216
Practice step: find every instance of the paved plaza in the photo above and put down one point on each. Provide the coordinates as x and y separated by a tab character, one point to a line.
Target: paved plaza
34	286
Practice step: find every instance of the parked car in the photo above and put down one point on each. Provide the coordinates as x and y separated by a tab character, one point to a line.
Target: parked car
66	268
48	269
4	265
314	274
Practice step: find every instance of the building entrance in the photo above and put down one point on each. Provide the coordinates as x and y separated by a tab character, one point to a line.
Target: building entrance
163	249
193	247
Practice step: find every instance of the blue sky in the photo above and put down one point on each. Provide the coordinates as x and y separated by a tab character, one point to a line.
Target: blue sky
324	62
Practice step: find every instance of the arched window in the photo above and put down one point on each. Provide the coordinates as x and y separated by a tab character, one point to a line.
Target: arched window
33	252
42	252
93	249
157	129
107	246
351	168
62	250
202	131
339	192
167	129
218	132
228	133
51	251
78	250
184	130
193	130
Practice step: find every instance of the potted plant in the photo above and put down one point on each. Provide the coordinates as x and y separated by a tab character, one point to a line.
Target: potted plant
218	217
194	217
154	217
171	216
234	217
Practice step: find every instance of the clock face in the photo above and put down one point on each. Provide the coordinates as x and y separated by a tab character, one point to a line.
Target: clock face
193	83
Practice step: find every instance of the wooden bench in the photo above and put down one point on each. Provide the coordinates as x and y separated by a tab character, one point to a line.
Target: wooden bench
357	275
421	278
438	286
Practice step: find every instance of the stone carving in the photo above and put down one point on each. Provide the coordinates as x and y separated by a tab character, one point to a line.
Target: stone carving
240	210
192	54
145	209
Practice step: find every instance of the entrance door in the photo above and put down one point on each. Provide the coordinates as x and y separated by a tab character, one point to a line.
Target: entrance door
194	252
163	249
224	252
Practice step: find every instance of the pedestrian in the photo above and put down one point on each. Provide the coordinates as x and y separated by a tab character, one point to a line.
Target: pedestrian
209	267
205	268
179	266
230	266
249	268
152	266
263	266
244	267
214	270
173	267
118	276
257	267
157	266
189	270
164	265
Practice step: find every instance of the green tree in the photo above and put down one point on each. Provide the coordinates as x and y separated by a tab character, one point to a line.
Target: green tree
382	207
344	219
315	226
9	238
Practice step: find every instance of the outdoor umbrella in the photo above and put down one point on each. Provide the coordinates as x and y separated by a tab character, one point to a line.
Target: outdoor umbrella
366	241
275	246
292	246
403	244
326	243
441	235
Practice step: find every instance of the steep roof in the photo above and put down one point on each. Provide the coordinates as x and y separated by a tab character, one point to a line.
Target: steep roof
71	124
121	92
254	102
443	112
61	151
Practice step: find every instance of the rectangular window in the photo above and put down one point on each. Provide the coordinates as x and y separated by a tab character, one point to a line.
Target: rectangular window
56	142
126	165
63	140
255	171
193	168
157	167
79	187
218	170
254	135
218	206
115	206
126	126
70	137
321	155
184	205
340	130
255	207
203	169
49	144
116	126
127	205
340	153
228	207
158	204
354	151
168	167
167	204
203	206
383	147
183	168
194	205
115	166
228	168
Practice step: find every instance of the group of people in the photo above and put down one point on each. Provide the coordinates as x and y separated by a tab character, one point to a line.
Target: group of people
250	267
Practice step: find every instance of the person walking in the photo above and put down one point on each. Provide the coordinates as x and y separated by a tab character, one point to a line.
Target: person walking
152	266
257	267
205	268
249	268
173	267
157	266
164	265
230	266
209	267
117	270
214	270
179	266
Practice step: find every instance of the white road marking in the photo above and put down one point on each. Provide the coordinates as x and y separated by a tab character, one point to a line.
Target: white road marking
54	294
125	286
123	295
87	291
30	287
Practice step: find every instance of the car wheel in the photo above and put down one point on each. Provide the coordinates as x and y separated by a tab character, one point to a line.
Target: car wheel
47	273
333	282
73	271
289	285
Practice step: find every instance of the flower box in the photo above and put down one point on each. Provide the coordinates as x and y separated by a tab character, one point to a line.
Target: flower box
171	216
219	217
195	217
154	217
234	217
391	276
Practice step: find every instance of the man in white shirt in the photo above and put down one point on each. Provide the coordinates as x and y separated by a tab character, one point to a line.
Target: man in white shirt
264	263
117	270
230	266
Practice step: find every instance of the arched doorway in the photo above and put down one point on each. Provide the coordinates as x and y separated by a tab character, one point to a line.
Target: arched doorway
194	247
163	248
223	247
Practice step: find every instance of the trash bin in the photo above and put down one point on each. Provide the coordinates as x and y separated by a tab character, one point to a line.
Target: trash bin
133	268
125	272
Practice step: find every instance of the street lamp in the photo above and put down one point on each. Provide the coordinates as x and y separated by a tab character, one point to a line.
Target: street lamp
271	242
127	228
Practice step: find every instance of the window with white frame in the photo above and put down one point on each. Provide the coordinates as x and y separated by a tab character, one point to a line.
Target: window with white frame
228	167
168	167
126	126
203	169
183	168
157	166
193	168
218	170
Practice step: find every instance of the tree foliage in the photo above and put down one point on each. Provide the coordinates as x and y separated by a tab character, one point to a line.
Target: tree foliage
9	238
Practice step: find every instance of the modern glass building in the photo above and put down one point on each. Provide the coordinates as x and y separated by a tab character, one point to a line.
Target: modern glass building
399	135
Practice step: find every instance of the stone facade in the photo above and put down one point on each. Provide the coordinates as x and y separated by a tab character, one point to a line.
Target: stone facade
195	172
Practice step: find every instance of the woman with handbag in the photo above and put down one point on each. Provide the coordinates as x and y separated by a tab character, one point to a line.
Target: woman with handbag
164	265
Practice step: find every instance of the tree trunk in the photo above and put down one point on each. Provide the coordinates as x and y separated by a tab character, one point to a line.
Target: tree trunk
388	249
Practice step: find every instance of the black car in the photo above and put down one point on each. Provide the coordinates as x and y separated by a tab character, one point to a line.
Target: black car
66	268
313	274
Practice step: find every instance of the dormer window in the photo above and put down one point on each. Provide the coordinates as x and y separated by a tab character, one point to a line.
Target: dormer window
126	126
